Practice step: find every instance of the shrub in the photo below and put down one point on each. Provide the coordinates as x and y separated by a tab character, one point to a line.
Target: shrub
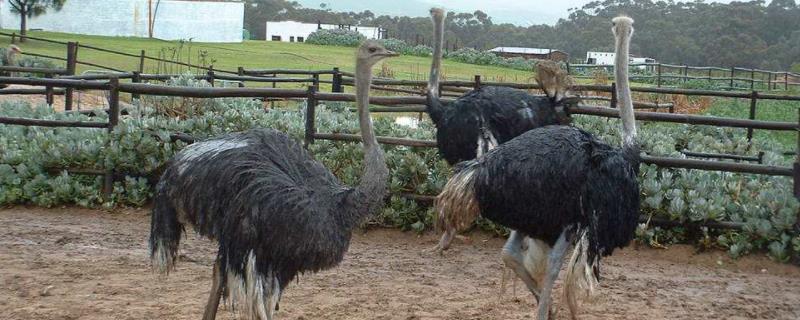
336	37
472	56
764	204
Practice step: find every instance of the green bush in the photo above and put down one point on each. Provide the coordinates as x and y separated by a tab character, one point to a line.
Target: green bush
472	56
764	204
336	37
402	47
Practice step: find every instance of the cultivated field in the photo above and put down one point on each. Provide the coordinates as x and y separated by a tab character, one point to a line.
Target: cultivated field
86	264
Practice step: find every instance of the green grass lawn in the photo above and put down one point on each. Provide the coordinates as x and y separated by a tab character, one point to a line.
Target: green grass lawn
251	54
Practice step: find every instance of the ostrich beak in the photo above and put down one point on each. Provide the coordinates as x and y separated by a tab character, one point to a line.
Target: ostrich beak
390	54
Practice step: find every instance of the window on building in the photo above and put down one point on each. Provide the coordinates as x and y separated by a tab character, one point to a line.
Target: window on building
276	38
300	39
291	39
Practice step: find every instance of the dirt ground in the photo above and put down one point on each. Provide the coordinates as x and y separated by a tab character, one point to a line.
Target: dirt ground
87	264
83	100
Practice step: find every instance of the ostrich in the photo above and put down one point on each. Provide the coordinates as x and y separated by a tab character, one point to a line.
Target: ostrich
9	59
273	209
561	187
483	118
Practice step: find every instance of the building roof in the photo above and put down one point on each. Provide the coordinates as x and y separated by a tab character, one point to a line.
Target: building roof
522	50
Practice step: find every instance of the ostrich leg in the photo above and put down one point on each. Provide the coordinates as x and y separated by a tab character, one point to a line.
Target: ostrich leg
216	293
512	257
554	262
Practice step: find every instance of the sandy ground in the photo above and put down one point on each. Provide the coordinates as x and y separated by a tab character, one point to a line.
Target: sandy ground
82	100
84	264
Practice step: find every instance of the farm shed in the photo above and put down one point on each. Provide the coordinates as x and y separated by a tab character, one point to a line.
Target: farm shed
607	58
201	21
294	31
531	53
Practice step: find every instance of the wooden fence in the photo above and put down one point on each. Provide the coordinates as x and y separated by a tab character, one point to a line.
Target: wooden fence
774	80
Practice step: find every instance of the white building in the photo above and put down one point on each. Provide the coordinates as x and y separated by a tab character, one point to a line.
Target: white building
607	59
201	21
293	31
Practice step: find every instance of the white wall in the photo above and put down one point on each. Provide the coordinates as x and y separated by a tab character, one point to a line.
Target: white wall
174	20
288	29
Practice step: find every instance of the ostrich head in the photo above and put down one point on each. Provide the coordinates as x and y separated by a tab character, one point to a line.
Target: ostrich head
623	26
372	52
554	81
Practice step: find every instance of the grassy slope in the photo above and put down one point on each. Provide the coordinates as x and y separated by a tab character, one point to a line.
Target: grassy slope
254	54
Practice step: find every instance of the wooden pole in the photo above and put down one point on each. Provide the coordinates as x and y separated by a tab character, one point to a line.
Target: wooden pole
733	72
658	75
337	81
709	74
141	61
113	120
210	75
49	91
685	73
311	106
752	79
137	78
13	38
569	71
72	62
786	81
477	82
753	102
240	72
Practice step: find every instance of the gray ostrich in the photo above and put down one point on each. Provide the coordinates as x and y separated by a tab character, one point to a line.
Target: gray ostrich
560	187
273	209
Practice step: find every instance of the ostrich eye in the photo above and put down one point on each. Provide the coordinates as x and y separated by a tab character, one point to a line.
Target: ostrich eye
372	50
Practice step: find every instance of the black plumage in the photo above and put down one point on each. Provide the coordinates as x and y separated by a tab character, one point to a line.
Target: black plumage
555	178
274	210
486	117
558	187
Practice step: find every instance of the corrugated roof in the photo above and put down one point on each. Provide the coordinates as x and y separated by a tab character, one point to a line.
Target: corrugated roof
522	50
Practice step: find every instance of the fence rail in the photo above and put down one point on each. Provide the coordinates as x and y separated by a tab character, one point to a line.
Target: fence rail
111	82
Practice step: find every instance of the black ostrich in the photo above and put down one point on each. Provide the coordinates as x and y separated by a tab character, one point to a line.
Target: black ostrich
483	118
559	186
274	210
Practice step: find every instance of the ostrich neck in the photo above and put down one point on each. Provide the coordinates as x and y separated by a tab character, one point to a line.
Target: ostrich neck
436	63
624	90
372	187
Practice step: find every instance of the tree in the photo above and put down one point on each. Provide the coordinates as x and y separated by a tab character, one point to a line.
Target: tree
32	8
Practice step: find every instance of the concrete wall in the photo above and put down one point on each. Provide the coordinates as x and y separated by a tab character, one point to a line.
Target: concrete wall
288	29
174	20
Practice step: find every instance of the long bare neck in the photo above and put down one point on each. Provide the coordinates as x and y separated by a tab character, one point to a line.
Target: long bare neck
624	90
376	174
436	64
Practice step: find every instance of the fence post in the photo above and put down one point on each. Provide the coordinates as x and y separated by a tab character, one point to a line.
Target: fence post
240	72
13	38
769	81
113	120
685	74
786	81
316	81
49	91
311	106
477	82
210	75
658	75
613	95
569	71
137	78
72	63
141	62
709	75
797	165
337	80
753	101
752	79
733	72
